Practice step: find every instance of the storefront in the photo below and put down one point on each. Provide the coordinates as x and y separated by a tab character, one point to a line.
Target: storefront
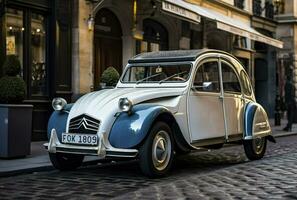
249	38
39	34
125	28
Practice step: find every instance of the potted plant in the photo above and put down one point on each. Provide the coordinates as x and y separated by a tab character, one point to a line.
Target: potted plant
15	117
109	78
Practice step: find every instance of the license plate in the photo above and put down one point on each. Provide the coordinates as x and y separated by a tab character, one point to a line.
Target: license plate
72	138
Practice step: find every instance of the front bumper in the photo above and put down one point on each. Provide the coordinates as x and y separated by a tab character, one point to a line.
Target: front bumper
102	151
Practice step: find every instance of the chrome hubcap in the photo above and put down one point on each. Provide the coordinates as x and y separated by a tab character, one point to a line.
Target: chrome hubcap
161	150
258	145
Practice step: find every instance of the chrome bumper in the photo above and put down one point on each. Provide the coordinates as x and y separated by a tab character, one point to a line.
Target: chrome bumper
54	145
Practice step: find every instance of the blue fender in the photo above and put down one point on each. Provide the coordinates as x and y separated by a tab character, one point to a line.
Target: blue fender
130	130
58	121
249	115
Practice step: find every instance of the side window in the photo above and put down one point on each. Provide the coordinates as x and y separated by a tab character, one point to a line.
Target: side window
207	72
230	80
246	85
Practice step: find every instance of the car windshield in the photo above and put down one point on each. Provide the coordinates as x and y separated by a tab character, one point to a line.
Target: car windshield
157	73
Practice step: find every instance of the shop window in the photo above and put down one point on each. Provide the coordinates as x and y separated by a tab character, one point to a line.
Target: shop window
26	38
15	34
239	42
155	37
38	53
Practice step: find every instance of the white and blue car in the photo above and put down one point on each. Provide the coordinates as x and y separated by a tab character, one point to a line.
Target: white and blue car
165	103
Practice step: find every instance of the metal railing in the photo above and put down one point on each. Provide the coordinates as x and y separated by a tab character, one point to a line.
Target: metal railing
268	8
239	4
257	9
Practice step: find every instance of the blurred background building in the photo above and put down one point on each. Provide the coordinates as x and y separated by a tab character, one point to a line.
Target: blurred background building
65	45
286	16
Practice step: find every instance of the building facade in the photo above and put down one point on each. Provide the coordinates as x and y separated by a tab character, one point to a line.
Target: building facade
287	31
39	33
65	45
122	29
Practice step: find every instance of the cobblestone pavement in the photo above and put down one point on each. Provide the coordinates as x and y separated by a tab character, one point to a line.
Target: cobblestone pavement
219	174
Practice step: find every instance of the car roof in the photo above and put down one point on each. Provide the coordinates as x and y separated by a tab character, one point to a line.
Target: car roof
172	56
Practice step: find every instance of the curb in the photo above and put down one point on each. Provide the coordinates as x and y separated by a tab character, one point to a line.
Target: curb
284	134
26	171
38	169
91	162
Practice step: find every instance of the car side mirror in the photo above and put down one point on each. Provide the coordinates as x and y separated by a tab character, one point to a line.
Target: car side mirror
204	86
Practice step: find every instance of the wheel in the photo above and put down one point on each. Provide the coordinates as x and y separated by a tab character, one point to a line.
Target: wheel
255	149
66	161
156	154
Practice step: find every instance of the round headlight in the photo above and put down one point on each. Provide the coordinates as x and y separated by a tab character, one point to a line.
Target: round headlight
125	105
59	103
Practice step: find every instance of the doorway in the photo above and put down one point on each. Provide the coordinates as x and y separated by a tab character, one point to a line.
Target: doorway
261	83
107	44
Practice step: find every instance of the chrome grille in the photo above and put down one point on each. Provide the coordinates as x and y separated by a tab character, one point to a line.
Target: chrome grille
83	124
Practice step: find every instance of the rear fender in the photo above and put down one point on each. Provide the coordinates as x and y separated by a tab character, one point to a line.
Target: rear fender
256	122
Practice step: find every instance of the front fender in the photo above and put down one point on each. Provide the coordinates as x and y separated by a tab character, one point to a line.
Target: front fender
58	121
130	130
256	122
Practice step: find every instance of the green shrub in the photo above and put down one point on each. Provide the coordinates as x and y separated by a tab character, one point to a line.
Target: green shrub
12	89
110	76
12	66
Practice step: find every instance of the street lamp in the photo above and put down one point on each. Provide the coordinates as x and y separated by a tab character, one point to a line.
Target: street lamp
94	4
90	22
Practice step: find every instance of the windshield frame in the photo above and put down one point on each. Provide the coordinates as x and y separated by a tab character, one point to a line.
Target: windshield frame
157	64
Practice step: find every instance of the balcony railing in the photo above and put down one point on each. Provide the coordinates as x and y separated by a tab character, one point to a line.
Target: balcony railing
269	9
257	9
239	4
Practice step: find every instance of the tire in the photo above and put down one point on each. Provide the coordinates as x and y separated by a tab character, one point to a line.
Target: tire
66	161
255	149
156	154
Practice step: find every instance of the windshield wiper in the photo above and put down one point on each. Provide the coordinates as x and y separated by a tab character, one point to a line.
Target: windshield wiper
169	77
146	78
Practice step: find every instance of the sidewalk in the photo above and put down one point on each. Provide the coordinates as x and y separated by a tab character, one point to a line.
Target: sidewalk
39	160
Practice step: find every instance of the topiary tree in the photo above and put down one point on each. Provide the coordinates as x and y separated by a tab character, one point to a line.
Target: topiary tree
12	66
110	76
12	87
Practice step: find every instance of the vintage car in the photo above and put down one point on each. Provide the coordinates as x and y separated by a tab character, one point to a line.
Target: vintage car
165	103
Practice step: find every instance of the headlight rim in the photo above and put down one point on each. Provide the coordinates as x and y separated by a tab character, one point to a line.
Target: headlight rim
130	106
59	106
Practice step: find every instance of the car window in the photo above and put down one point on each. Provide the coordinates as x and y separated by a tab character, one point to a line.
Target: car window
161	73
246	86
207	72
230	80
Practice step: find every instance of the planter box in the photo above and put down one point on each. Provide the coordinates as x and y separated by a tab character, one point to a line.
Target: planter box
15	130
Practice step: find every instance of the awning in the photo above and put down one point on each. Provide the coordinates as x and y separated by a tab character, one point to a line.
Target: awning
192	12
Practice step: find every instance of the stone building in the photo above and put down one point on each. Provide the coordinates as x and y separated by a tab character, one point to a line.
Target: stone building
109	32
287	31
69	43
39	34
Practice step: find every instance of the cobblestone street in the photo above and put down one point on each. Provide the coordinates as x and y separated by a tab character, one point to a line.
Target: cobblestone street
219	174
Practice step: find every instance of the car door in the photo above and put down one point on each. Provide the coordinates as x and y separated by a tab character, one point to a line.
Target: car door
233	100
205	110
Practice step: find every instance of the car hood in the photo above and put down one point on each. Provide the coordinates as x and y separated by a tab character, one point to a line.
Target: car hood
106	101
